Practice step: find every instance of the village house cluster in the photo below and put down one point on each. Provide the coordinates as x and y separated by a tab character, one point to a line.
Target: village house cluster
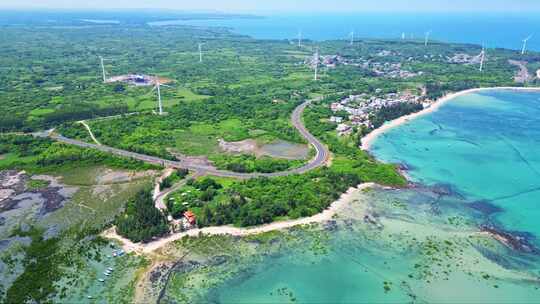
462	58
359	108
379	69
390	70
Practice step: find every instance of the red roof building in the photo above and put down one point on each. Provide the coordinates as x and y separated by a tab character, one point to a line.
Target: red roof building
190	216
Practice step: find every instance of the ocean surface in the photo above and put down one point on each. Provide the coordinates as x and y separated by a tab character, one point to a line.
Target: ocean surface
505	30
476	164
486	147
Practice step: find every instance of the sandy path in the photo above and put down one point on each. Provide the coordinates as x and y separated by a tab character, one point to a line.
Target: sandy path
157	189
324	216
368	140
82	122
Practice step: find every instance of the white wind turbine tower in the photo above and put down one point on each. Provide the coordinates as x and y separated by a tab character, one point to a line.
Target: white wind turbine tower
525	44
300	38
426	40
200	52
316	64
157	87
403	36
482	58
352	37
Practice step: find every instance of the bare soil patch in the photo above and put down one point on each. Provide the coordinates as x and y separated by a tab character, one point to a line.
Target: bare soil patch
278	149
194	160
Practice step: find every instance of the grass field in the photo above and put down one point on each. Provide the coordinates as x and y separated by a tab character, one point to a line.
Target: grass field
202	138
170	97
7	160
40	112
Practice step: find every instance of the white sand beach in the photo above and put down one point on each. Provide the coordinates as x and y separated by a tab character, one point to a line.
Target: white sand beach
152	246
368	140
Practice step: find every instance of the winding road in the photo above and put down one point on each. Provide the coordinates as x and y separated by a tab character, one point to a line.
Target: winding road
322	153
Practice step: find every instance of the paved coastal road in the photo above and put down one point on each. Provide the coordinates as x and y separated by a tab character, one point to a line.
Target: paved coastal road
319	160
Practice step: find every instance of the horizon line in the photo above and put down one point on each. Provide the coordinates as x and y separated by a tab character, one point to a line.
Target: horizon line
252	12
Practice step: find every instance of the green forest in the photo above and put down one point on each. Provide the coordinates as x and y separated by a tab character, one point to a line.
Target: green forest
141	221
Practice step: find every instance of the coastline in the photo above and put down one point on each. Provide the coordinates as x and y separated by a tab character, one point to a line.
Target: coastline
326	215
368	140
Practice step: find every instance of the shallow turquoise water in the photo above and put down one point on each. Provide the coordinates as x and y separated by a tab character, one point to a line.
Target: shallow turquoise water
358	257
476	162
486	146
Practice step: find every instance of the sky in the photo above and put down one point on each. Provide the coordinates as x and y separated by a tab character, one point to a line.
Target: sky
260	6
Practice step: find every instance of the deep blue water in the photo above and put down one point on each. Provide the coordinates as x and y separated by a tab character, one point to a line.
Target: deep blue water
495	30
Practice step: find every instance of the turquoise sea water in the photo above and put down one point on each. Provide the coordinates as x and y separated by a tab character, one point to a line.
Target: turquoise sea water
475	162
486	146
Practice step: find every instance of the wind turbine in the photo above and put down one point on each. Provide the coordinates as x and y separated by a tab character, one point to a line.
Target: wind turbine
316	64
403	36
525	44
102	60
427	38
352	37
157	87
482	58
300	38
200	52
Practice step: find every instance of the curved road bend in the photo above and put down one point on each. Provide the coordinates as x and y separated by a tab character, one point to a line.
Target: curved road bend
319	160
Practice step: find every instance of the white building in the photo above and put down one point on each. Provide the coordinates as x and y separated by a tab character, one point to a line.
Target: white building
336	119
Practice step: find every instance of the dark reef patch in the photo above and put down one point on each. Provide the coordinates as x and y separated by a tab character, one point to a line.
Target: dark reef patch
218	260
53	200
330	225
485	207
518	241
405	167
495	257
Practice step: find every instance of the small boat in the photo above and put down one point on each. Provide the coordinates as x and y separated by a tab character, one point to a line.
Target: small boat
109	256
89	297
114	254
110	269
101	280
